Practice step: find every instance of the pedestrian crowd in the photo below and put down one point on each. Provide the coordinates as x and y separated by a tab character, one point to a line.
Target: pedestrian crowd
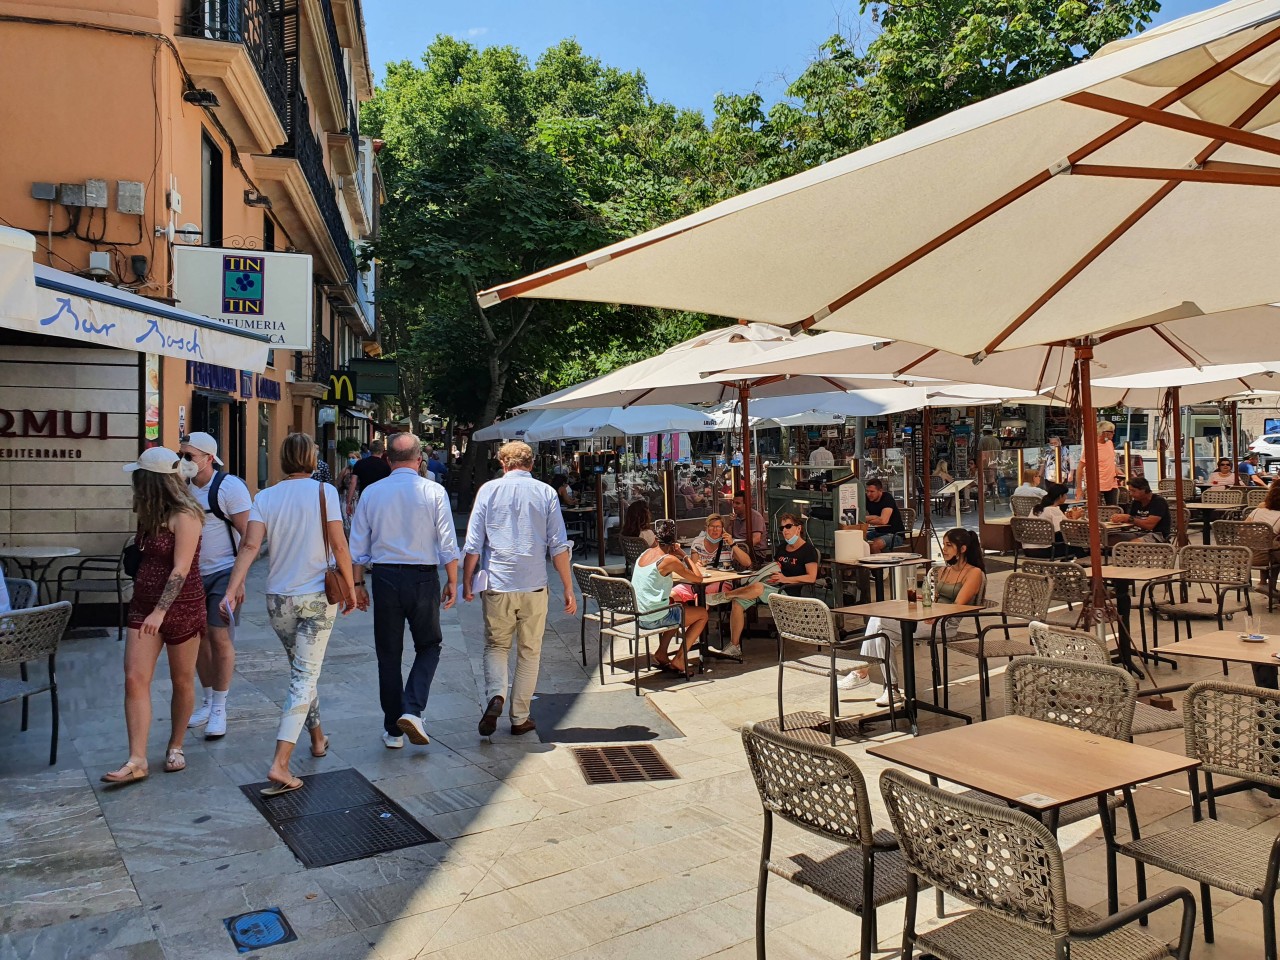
199	531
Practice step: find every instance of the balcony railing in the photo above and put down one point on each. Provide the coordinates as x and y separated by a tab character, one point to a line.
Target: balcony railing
335	48
353	127
303	147
316	364
254	24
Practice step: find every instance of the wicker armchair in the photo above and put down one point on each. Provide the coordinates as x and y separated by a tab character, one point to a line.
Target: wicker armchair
583	574
1220	497
1261	541
1254	496
810	623
1071	585
1168	485
1026	598
1231	730
1009	866
1075	534
27	635
1137	553
632	549
1061	644
908	521
620	618
822	791
1033	532
1022	505
22	593
1106	511
1220	574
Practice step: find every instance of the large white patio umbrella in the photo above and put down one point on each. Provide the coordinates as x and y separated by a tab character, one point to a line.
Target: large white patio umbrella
637	421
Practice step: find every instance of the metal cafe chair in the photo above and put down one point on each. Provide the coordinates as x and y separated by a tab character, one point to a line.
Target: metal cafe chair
621	613
22	593
27	635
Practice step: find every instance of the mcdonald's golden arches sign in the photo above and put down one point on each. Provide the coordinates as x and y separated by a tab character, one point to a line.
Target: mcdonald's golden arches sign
342	387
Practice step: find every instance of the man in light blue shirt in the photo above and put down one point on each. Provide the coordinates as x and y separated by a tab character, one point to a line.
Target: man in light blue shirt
515	525
403	527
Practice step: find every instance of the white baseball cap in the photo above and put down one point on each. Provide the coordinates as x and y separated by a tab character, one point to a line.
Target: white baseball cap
156	459
203	442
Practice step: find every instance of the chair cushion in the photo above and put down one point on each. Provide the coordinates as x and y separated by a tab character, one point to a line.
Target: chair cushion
12	688
992	936
1149	719
1219	854
835	873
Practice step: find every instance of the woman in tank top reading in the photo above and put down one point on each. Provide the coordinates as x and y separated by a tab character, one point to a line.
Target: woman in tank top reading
653	578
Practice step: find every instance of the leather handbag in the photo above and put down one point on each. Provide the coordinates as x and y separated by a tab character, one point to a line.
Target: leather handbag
131	559
335	585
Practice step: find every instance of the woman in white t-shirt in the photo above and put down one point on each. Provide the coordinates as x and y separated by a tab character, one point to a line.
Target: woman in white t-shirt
289	513
1050	508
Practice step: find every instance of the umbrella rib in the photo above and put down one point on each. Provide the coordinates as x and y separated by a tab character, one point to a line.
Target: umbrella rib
1175	121
1195	83
1048	353
1147	206
916	362
1173	346
1243	178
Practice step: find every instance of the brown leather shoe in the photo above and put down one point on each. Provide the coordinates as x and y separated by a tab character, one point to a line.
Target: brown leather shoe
489	722
518	728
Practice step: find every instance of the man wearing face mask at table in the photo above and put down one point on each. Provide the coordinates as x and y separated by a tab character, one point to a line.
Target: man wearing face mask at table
225	500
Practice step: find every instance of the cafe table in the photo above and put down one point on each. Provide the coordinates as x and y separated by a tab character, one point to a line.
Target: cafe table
34	562
1038	767
1206	511
908	614
877	569
1121	578
711	576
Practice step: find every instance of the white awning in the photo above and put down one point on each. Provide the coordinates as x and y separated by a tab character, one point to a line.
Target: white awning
17	276
356	414
74	308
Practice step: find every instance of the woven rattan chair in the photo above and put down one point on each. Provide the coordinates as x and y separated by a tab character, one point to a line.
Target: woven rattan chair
1059	643
1168	485
1031	531
22	593
27	635
583	574
1106	511
1220	497
1022	505
1254	496
822	791
810	623
632	549
1075	534
1071	585
908	521
1009	866
1026	598
1137	553
99	575
621	620
1219	574
1260	539
1231	729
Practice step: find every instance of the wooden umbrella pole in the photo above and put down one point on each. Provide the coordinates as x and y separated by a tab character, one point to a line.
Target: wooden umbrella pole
1235	439
1175	403
744	396
1084	354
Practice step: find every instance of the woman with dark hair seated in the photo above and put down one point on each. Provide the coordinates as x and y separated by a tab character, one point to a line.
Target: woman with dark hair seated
1050	508
638	522
653	579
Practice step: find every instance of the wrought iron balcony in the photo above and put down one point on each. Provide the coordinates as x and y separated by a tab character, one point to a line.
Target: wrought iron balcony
335	48
316	364
255	25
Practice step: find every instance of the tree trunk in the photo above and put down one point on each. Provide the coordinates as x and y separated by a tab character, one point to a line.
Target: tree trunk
474	467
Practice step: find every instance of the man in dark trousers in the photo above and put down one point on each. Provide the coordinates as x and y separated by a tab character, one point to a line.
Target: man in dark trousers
365	473
403	528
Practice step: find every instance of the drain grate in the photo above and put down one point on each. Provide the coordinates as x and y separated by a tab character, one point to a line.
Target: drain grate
634	763
337	817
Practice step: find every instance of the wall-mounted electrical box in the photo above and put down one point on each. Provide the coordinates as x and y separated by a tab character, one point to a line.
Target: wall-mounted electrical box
130	197
95	193
71	194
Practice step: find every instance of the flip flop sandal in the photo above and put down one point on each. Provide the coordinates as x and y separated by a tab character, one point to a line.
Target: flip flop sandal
135	773
279	788
324	749
175	760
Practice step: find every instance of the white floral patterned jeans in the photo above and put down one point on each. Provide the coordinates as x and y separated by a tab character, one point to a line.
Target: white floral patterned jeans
303	624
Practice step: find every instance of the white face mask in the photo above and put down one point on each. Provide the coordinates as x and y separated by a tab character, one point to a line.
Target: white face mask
187	469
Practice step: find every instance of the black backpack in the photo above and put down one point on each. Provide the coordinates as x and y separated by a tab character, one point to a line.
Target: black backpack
216	509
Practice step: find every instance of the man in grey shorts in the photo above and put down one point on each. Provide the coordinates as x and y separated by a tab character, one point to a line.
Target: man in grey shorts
226	502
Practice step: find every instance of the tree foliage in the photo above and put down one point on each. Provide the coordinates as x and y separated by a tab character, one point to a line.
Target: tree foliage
497	167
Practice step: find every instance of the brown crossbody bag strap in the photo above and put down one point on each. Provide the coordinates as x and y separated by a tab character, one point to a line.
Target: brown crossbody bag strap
335	586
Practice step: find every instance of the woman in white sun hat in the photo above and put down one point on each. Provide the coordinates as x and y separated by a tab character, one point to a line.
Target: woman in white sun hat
167	611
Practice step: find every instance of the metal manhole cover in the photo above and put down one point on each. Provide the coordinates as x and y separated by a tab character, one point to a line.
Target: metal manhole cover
261	928
634	763
337	817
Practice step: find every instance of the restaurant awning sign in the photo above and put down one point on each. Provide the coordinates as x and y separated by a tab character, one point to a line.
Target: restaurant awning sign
266	292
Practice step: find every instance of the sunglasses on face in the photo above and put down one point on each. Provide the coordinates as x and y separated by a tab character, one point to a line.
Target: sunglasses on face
790	526
188	456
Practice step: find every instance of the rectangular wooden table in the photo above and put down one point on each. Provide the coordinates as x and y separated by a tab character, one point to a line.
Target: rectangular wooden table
1121	577
908	615
1206	511
1227	645
1037	766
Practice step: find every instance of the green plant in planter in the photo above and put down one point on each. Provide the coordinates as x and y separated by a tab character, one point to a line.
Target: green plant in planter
347	446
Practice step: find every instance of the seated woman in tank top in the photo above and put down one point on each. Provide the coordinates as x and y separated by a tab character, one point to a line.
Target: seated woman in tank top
653	578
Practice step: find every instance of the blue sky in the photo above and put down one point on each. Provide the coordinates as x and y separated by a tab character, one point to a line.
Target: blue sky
689	50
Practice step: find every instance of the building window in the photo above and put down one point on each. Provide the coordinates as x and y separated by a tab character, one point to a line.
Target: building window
264	445
268	232
211	191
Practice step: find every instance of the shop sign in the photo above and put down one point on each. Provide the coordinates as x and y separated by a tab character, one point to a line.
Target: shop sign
342	387
212	377
377	377
267	293
50	425
246	384
268	389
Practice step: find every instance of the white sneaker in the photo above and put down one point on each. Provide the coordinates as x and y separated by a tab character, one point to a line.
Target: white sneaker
732	650
392	742
217	726
852	681
200	715
883	699
412	728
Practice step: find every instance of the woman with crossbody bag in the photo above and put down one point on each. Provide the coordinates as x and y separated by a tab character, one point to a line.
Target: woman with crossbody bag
309	578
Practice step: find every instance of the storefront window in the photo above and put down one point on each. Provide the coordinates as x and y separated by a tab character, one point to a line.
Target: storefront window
264	445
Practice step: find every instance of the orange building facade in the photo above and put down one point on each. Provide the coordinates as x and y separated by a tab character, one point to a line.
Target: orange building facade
132	127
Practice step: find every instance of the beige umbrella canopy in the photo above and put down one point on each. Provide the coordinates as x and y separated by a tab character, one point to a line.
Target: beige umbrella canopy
1123	187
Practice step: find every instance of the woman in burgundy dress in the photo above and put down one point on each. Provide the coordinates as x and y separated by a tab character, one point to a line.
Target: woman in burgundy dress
167	610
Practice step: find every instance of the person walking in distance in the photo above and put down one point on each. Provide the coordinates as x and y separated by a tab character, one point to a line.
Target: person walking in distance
300	515
515	525
365	473
225	501
167	610
403	527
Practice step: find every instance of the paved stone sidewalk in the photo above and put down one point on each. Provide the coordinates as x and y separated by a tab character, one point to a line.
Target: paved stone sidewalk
533	863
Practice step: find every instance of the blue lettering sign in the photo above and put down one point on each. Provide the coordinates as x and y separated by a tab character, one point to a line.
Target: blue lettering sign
190	345
81	326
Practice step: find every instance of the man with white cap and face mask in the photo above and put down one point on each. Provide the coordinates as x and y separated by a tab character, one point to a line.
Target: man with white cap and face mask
225	500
